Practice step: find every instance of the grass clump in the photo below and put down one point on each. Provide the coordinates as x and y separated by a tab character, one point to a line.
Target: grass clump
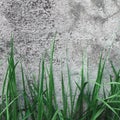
39	98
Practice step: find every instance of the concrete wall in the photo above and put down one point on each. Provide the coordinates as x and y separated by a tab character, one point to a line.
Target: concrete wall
91	25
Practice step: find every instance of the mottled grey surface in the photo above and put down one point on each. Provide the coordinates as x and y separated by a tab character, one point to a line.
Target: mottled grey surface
91	25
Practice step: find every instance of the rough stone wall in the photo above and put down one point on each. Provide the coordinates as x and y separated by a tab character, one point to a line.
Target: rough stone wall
91	25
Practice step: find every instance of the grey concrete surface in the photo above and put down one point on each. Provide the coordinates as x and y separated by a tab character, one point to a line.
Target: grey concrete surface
91	25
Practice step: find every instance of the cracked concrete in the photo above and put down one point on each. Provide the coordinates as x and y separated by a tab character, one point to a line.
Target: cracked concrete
91	25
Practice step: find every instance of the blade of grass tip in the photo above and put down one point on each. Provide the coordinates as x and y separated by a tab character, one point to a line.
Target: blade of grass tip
69	85
42	78
79	102
87	72
51	70
52	95
82	72
97	85
11	72
87	79
34	84
40	98
11	57
98	80
47	93
10	81
12	87
39	73
101	72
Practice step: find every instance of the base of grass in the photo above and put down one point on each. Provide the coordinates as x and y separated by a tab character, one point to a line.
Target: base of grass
39	98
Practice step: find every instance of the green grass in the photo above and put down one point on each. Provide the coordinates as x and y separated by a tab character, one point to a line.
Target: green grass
39	97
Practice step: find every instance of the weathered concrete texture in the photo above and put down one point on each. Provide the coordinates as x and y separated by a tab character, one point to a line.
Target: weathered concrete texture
91	25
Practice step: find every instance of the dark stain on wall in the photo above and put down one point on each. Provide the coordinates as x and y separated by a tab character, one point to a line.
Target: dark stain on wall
99	19
98	3
13	12
116	3
117	39
27	12
76	12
